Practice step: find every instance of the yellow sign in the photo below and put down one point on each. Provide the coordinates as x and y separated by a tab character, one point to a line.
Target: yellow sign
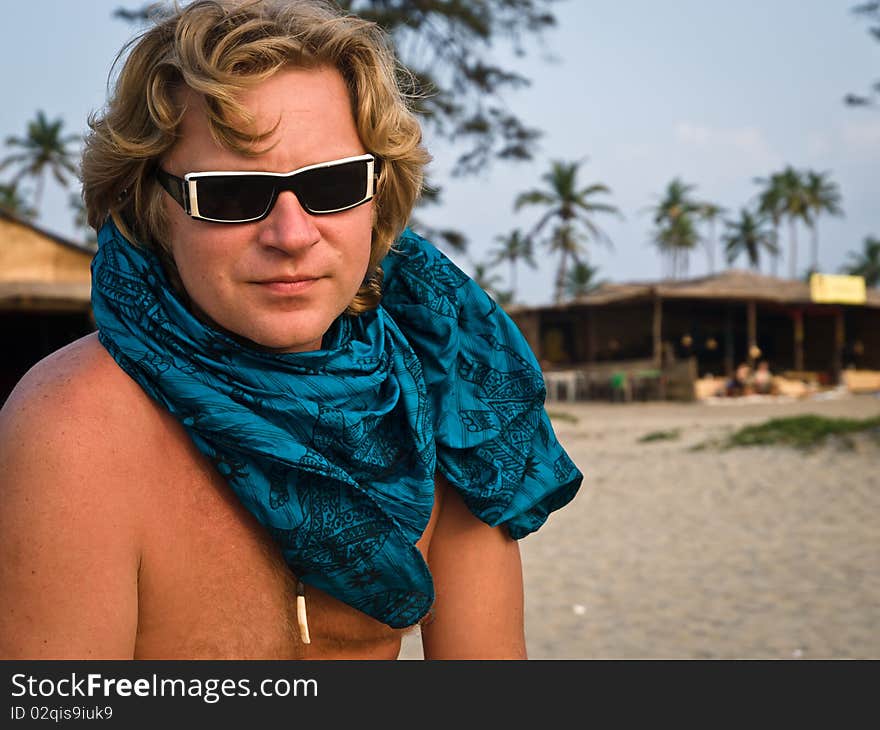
837	289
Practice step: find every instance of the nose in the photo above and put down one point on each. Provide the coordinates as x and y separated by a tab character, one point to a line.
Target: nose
288	227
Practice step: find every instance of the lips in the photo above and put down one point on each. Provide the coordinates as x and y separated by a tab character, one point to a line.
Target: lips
289	284
288	279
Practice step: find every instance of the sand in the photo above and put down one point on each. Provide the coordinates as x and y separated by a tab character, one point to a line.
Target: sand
761	552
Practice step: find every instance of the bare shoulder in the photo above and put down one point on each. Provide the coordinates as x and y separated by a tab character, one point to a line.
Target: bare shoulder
70	437
75	381
77	425
80	403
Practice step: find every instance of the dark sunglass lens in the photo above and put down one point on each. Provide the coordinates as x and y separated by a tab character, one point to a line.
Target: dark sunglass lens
326	189
234	197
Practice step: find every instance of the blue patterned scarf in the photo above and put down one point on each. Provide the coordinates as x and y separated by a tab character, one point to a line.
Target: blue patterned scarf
335	451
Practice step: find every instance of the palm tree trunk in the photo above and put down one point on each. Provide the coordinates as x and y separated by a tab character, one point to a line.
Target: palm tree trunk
560	276
815	247
512	276
38	193
792	264
710	247
774	260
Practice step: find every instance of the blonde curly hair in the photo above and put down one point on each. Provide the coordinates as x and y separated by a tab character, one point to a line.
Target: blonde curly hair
218	48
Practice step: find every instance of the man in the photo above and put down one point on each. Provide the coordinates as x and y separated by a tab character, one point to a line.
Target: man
253	458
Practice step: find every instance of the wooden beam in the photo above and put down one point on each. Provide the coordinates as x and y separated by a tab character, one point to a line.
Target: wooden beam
48	306
657	331
752	333
728	341
798	317
591	334
839	341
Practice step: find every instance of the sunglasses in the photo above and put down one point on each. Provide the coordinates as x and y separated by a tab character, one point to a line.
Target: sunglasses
244	197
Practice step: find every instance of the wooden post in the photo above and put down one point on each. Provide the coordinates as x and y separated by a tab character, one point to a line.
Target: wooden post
752	333
591	334
798	339
839	341
728	341
658	331
530	326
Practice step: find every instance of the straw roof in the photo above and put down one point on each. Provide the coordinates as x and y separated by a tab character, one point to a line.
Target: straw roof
730	285
44	295
74	245
40	270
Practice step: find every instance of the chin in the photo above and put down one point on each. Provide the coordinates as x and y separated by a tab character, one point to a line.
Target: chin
300	337
282	344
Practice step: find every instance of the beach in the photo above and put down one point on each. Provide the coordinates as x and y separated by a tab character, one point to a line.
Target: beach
672	552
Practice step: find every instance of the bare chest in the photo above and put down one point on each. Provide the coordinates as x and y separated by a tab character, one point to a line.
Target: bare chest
212	584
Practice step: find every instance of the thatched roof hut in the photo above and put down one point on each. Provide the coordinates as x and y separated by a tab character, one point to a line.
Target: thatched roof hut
45	290
717	321
730	285
40	270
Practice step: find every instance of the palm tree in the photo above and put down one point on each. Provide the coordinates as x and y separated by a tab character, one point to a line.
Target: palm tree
749	235
11	202
785	195
675	234
867	263
581	280
794	203
572	208
514	247
709	213
44	150
770	206
676	240
823	196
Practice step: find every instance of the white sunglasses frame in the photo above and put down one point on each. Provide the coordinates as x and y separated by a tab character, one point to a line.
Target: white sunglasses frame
191	197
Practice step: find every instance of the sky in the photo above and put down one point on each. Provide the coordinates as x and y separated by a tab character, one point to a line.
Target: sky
711	91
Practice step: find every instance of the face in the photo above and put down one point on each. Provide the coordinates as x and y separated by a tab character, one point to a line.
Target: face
279	282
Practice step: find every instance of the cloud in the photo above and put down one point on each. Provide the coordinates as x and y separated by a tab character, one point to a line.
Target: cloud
725	152
693	134
633	151
862	137
748	140
819	144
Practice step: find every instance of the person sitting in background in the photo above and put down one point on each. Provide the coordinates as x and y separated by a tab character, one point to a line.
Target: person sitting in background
739	383
762	381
